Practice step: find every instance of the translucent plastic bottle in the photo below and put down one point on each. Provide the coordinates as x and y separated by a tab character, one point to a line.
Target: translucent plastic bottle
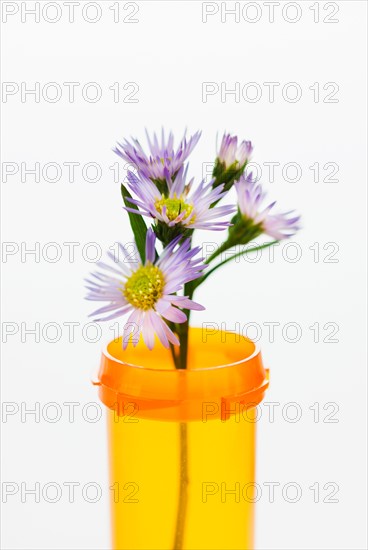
182	443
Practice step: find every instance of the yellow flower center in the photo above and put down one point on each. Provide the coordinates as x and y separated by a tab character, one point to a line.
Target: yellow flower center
174	207
144	287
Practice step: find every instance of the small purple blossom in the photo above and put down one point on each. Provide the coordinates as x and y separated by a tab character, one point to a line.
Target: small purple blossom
180	206
147	291
250	198
162	158
230	153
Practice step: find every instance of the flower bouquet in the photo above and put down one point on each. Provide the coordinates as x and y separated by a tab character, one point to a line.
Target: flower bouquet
180	402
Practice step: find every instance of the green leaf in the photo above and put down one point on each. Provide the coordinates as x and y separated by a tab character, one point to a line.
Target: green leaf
139	228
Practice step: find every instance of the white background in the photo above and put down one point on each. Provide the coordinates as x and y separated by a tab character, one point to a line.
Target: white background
169	53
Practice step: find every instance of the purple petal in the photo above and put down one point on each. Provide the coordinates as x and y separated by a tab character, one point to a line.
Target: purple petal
150	246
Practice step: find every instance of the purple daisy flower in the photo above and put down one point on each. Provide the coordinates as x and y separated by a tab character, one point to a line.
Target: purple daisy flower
231	154
163	157
147	291
250	198
180	206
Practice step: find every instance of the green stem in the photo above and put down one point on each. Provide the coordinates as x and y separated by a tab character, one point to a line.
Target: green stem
174	355
183	487
183	329
181	363
199	281
172	347
225	246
